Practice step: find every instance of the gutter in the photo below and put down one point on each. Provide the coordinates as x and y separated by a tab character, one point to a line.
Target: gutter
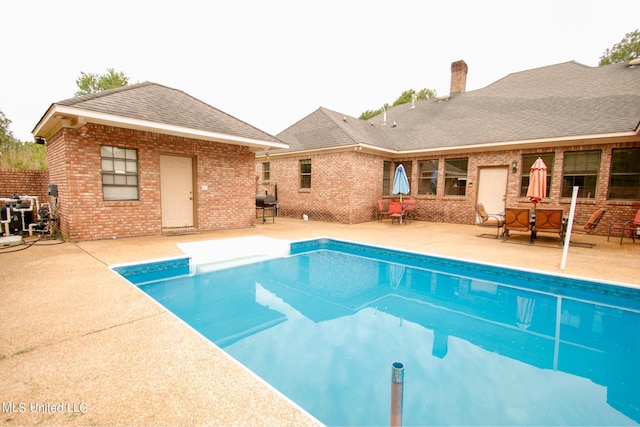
591	139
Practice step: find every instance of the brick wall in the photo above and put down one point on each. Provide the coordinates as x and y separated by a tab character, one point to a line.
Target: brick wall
223	183
24	183
345	187
342	186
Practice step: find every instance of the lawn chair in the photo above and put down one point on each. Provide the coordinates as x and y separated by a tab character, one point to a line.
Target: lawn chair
489	220
549	221
382	211
629	226
516	219
589	226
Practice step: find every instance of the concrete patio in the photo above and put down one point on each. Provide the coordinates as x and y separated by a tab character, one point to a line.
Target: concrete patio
81	346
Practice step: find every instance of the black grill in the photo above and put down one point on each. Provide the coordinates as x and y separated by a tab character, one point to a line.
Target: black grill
265	203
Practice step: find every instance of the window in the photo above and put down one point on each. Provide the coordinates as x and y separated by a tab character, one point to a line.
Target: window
386	178
625	174
407	169
580	169
527	162
119	173
305	173
455	177
266	171
427	177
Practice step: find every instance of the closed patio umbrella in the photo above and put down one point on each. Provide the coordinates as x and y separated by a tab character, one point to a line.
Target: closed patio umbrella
537	182
400	183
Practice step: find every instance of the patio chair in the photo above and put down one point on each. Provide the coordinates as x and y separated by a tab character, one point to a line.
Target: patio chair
396	212
382	211
409	207
489	220
549	221
591	224
629	226
516	219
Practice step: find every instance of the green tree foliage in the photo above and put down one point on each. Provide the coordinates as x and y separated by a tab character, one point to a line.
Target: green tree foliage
15	154
372	113
626	50
91	83
404	98
6	136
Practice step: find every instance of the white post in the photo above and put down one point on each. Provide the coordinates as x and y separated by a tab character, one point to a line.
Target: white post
567	236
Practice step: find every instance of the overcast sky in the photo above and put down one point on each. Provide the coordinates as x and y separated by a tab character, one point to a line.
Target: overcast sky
272	62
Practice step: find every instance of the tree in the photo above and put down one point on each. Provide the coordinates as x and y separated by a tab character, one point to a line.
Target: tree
91	83
404	98
15	154
6	136
626	50
372	113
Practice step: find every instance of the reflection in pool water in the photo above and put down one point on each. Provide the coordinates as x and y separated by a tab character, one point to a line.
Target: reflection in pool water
481	345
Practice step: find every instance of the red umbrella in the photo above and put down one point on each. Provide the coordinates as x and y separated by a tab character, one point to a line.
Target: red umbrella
537	182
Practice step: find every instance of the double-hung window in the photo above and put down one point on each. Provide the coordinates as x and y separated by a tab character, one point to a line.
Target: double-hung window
624	182
119	173
455	176
386	178
266	171
527	161
580	169
406	164
305	173
427	177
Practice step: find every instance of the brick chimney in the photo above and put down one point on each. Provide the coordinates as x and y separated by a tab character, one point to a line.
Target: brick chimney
458	77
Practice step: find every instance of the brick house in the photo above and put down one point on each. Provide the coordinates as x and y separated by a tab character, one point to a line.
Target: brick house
147	159
471	147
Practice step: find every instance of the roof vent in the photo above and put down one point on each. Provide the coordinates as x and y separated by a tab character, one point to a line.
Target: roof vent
634	62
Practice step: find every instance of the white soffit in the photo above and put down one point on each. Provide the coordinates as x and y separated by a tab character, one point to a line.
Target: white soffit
149	126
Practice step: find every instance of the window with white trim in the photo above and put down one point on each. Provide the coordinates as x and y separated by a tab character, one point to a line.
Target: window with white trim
119	173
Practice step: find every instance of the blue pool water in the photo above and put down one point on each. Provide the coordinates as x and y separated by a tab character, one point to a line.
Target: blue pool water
480	344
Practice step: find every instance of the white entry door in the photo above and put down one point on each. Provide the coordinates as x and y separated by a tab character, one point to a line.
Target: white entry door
492	188
176	191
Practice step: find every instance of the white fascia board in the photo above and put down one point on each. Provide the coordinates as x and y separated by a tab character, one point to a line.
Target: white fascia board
342	148
474	148
508	145
146	125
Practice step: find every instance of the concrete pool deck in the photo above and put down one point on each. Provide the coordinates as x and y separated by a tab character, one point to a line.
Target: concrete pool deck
81	346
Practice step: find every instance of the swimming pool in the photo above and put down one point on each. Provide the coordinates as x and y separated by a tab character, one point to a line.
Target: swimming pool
480	344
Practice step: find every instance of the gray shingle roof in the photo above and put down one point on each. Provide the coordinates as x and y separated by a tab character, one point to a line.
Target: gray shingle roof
160	104
563	100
